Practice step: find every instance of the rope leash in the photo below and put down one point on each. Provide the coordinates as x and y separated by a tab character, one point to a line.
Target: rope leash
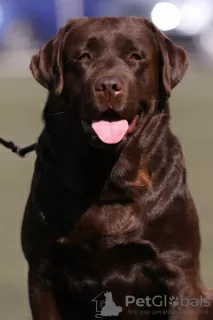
21	152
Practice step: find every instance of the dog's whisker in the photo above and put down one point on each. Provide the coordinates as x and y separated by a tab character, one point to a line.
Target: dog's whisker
55	113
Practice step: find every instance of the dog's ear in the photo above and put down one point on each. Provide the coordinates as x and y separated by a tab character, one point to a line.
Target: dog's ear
174	59
47	65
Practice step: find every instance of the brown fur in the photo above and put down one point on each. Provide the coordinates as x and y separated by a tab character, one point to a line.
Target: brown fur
116	218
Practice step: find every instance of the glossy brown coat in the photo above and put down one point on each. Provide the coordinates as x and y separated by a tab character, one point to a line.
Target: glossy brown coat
116	218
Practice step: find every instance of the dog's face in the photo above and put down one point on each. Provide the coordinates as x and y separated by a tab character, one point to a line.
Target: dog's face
109	69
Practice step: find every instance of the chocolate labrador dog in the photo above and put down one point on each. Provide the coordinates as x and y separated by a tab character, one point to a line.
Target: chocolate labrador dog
110	228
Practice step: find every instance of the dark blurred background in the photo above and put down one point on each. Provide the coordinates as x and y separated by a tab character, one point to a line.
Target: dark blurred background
27	24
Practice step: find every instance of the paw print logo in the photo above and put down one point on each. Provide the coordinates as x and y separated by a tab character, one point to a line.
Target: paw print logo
173	301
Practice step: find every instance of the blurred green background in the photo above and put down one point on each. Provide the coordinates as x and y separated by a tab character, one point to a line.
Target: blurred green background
21	103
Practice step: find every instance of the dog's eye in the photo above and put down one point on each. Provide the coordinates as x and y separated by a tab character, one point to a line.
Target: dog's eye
84	57
135	56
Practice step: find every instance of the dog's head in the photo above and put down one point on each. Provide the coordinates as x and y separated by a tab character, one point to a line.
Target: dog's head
109	69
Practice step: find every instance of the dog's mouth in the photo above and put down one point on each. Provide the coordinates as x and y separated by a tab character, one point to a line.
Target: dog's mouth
112	132
110	128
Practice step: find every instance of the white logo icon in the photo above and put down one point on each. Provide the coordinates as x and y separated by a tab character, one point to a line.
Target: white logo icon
105	306
173	301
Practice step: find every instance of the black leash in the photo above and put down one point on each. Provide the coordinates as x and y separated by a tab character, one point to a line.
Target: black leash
21	152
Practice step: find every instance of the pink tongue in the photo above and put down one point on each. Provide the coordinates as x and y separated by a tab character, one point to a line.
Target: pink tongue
110	132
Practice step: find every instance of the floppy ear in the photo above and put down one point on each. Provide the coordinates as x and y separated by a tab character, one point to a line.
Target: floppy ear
47	65
174	59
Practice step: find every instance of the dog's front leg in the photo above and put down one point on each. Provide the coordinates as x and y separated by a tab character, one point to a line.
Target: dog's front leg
42	302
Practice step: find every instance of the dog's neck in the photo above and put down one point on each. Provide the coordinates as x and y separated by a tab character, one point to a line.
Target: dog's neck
80	168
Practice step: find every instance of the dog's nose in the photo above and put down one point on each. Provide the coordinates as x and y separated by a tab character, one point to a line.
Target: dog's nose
109	85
